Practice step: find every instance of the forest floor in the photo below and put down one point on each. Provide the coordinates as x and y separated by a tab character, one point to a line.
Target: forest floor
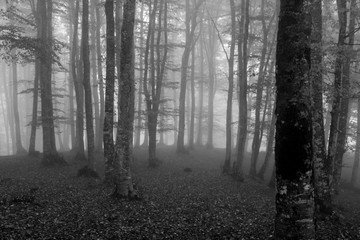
53	203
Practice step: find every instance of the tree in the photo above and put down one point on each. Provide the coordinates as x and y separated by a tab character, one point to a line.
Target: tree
242	86
227	163
157	71
190	23
293	147
111	165
124	185
87	85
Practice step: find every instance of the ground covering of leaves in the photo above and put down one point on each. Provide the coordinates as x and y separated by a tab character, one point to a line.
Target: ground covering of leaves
52	203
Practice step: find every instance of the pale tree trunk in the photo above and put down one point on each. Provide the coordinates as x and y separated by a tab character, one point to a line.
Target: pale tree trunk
355	169
94	73
141	73
227	163
294	179
118	24
87	85
9	108
19	148
242	85
124	185
212	49
192	113
100	132
201	89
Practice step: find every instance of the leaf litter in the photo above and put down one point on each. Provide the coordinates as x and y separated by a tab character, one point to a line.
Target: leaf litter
199	203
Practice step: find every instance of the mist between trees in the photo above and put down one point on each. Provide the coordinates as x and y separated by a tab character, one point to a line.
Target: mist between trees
111	77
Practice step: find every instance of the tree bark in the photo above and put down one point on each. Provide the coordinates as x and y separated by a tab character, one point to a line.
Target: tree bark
112	167
124	185
87	85
227	163
293	141
242	85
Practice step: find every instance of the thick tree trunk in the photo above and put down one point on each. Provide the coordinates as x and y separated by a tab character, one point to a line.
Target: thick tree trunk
294	147
112	167
124	186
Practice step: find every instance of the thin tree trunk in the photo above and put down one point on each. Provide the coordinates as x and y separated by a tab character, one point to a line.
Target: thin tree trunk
201	89
87	85
243	61
355	169
141	70
94	74
100	132
227	163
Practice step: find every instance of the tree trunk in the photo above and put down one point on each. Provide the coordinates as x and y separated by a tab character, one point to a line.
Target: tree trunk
190	32
259	91
112	167
87	85
50	154
227	163
321	168
34	117
100	133
192	91
337	133
124	186
141	70
242	84
19	148
293	141
79	91
355	169
94	74
201	88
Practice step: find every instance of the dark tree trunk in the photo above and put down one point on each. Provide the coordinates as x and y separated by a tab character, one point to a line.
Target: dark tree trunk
124	185
79	91
112	167
189	39
201	89
227	163
242	85
87	85
293	141
337	133
50	154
